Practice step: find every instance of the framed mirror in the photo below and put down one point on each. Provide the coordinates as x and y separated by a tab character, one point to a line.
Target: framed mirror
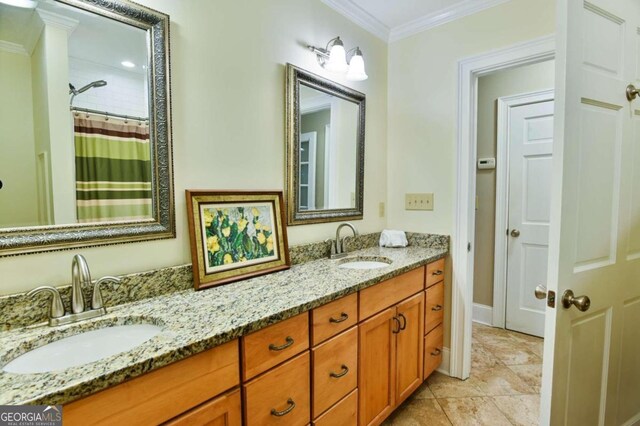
85	125
325	149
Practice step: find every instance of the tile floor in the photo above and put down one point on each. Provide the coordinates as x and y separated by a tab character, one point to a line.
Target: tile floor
504	387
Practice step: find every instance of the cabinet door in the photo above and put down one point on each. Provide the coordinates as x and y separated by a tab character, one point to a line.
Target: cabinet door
376	381
409	347
226	410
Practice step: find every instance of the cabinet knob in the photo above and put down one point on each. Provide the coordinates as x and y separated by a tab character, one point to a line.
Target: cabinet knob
343	317
404	321
438	272
286	411
437	308
288	342
344	372
397	320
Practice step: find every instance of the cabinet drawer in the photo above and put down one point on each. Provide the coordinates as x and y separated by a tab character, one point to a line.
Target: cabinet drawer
344	413
335	370
281	396
226	410
435	272
433	350
380	296
272	345
434	312
162	394
334	317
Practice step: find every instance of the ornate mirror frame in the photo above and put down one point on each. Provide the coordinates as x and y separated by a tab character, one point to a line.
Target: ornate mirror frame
294	77
60	237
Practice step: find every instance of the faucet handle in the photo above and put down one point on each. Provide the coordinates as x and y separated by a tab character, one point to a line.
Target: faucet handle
333	246
96	299
57	308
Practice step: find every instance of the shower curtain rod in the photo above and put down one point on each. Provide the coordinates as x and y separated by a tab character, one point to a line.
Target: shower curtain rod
108	114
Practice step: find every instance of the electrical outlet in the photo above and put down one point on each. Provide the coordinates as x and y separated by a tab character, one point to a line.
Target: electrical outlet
381	209
422	201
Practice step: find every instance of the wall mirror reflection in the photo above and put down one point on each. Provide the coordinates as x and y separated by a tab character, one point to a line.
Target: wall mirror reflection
325	149
85	125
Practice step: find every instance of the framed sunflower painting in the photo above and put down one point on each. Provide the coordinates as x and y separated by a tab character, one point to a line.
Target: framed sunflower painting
236	235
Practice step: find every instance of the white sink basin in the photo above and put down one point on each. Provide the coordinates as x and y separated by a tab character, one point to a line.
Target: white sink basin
364	264
82	348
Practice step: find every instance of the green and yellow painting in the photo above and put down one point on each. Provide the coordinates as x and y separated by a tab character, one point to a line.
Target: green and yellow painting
238	235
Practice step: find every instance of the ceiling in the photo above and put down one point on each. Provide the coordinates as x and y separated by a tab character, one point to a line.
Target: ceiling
392	20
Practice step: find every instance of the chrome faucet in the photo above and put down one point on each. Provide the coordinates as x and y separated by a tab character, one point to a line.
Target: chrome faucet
337	246
80	277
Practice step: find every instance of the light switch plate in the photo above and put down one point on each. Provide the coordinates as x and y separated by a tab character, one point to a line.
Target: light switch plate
420	201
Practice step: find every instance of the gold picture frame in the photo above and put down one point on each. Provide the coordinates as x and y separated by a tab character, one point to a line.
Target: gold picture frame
236	235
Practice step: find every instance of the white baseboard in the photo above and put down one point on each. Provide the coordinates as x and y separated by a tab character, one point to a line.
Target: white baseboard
444	366
482	314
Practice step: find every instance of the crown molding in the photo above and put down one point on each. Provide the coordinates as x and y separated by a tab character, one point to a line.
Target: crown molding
7	46
359	16
443	16
58	21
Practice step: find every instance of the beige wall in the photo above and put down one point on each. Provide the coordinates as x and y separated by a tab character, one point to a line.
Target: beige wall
228	121
422	106
491	87
18	197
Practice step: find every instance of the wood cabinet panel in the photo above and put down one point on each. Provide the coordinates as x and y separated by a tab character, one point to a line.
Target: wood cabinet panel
335	370
435	272
225	410
344	413
272	345
377	360
378	297
409	347
161	394
434	307
281	396
330	319
433	350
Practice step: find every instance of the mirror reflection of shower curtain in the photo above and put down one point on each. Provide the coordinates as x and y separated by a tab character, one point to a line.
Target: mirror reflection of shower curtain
113	169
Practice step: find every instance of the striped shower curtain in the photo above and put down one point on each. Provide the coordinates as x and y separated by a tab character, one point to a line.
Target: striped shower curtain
113	170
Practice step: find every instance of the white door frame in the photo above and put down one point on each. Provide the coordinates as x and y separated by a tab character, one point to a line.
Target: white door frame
505	103
469	70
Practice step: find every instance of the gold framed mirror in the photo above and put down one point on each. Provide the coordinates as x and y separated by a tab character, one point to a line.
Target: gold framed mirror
90	126
325	131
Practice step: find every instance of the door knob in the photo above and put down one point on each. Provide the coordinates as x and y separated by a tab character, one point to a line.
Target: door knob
515	233
632	92
581	302
540	292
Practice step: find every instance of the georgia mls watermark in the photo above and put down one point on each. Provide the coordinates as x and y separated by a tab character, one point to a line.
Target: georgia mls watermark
30	415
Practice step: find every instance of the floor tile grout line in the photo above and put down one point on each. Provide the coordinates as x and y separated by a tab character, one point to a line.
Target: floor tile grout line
444	412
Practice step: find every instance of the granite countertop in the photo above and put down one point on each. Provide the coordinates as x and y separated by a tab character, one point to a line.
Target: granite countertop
194	321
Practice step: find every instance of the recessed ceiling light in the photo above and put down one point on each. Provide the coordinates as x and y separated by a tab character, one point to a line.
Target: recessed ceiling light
28	4
128	64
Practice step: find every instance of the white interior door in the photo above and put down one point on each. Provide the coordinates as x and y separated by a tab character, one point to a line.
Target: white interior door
530	162
307	172
591	372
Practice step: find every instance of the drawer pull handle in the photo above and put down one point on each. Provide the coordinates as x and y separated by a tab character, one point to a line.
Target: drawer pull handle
344	372
343	317
399	326
404	321
437	308
289	342
437	352
438	272
286	411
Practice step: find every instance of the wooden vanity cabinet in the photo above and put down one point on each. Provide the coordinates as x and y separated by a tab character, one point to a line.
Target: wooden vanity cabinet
433	317
165	393
391	345
225	410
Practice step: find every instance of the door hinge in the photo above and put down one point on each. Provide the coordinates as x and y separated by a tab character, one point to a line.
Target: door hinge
551	299
469	247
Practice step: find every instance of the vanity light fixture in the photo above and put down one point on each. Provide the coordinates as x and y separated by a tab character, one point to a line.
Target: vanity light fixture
334	58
